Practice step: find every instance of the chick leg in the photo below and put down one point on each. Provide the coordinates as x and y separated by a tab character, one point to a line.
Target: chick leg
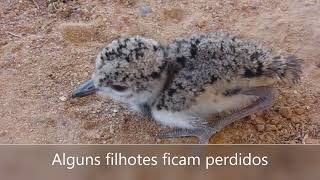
266	97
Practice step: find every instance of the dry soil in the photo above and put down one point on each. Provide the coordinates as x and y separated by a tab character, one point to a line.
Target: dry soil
47	48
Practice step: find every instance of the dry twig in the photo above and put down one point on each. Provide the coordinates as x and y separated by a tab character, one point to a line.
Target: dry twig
15	35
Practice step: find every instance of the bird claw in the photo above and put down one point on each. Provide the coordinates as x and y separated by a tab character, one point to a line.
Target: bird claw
202	134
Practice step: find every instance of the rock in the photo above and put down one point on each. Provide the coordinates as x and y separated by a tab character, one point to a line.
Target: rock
260	127
259	120
286	112
275	121
299	110
262	137
63	98
144	10
3	133
295	120
252	117
270	127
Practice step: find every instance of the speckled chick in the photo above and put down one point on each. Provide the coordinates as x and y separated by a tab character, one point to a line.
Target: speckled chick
184	83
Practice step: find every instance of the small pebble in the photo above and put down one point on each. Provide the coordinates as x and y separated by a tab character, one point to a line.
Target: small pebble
286	112
295	120
259	120
85	74
292	142
270	127
299	110
63	98
115	110
275	121
144	10
252	117
260	127
3	133
261	137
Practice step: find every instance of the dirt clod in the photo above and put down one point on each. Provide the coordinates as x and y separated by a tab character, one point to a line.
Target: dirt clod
271	127
295	120
259	120
174	14
78	32
260	127
63	98
299	110
3	133
286	112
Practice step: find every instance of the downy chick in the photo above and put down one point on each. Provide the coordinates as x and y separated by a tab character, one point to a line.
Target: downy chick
181	85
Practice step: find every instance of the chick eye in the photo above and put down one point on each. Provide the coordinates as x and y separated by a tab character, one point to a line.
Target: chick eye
118	87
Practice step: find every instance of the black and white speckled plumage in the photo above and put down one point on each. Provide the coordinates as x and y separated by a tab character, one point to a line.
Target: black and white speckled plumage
131	70
128	60
180	84
207	59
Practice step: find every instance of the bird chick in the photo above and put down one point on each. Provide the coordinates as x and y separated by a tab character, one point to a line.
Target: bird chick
184	83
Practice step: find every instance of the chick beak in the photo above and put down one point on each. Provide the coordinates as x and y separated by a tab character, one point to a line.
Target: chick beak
85	89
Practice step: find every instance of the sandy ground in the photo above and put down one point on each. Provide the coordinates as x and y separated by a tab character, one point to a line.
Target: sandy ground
47	48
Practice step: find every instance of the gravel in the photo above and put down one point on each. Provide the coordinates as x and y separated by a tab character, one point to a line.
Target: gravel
144	10
286	112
